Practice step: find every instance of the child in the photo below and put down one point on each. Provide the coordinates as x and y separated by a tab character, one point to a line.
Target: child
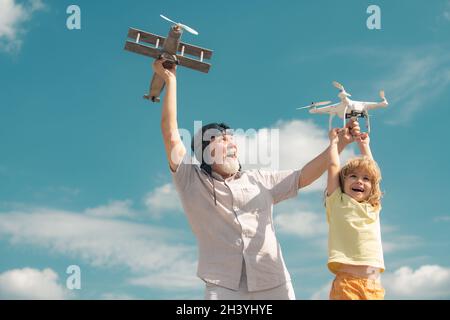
355	253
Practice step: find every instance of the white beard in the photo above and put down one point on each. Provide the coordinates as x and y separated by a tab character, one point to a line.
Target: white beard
230	166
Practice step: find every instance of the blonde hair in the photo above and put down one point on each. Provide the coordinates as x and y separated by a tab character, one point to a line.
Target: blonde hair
371	167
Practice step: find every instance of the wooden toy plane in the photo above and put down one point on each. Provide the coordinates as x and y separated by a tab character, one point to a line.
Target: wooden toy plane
170	49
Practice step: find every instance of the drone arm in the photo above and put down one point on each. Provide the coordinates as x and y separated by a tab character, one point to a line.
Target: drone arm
375	105
327	109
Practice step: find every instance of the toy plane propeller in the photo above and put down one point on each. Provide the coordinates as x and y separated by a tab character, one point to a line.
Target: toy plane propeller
347	108
170	49
185	27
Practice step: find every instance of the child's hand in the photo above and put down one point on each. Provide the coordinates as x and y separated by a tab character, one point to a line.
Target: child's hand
363	139
334	135
166	74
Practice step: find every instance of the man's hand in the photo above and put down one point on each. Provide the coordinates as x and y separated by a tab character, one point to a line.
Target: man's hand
350	131
166	74
334	135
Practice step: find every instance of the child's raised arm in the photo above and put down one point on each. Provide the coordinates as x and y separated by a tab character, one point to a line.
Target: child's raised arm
363	141
334	165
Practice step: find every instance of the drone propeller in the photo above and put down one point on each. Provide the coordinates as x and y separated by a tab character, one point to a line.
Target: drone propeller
338	85
341	88
315	104
185	27
382	95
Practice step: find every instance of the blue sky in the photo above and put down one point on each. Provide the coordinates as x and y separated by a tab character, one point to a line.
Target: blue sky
84	178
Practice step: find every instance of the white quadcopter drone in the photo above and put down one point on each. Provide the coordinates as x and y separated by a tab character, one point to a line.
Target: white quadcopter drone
347	108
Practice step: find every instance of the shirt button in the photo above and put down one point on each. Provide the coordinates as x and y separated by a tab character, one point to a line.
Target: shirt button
236	209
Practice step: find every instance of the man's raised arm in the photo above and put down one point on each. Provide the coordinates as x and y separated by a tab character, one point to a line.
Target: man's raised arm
175	149
316	167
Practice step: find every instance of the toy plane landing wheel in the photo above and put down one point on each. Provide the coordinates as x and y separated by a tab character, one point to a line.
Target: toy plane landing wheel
153	99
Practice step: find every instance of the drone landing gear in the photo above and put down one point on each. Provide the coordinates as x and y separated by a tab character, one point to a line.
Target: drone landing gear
358	114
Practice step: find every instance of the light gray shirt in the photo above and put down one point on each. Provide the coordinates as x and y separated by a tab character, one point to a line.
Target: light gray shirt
239	226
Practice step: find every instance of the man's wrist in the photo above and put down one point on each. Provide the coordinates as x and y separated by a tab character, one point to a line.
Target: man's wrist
341	145
334	142
170	80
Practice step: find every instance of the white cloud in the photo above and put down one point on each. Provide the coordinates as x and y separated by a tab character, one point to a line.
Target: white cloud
112	209
143	249
442	218
62	194
116	296
163	199
397	242
31	284
36	5
426	282
12	17
394	240
179	276
299	142
446	13
417	80
302	224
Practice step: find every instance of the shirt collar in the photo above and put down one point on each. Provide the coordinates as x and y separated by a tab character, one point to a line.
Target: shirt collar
217	176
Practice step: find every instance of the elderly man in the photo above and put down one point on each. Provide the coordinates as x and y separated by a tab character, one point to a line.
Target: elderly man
230	209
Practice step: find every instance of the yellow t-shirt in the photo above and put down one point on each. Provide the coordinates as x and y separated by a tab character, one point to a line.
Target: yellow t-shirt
354	235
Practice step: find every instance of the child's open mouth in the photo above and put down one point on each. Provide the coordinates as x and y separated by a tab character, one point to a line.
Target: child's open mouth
358	189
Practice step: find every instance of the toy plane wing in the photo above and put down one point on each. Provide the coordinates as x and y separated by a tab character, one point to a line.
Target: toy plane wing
142	38
202	53
147	37
143	50
158	41
193	64
155	53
